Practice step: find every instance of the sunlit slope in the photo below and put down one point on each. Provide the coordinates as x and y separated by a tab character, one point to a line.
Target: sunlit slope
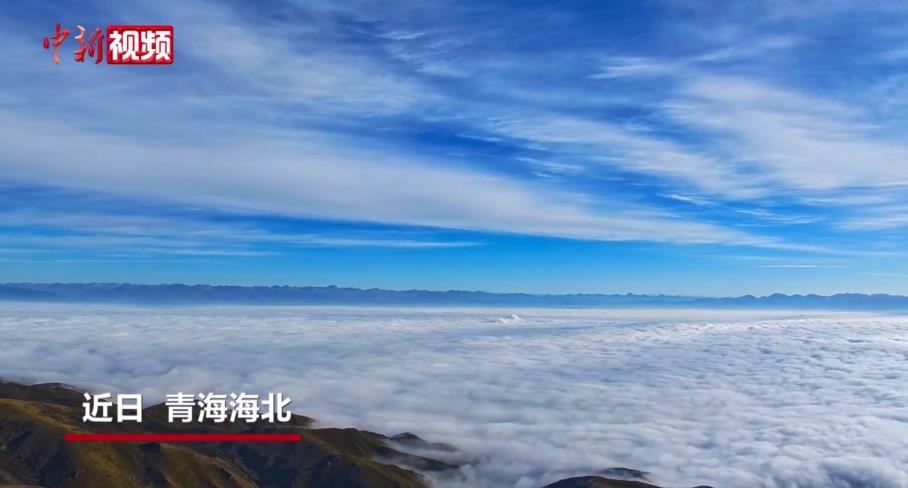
35	419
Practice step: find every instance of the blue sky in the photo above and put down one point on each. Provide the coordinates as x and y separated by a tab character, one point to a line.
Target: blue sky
706	148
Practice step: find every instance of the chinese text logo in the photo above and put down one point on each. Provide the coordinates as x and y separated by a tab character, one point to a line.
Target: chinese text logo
126	44
183	407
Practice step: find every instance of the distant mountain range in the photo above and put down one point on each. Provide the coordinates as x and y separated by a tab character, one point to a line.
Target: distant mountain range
331	295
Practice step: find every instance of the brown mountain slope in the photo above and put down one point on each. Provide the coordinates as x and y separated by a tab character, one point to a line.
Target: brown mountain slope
34	419
33	454
598	482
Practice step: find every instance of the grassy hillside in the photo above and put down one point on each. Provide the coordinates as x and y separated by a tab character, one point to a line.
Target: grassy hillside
34	419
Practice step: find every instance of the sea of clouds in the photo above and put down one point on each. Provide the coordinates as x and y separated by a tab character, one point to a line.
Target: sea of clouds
732	399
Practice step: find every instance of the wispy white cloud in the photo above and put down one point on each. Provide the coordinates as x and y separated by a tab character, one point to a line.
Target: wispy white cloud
881	217
296	123
310	174
800	266
629	67
254	158
797	141
776	217
618	67
692	199
286	61
638	151
42	230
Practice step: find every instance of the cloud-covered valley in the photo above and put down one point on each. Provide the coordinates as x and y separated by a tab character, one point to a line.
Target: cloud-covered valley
732	399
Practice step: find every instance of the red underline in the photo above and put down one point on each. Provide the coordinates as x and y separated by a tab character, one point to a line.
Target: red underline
259	437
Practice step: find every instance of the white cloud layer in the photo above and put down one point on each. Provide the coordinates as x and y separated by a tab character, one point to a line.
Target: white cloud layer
732	399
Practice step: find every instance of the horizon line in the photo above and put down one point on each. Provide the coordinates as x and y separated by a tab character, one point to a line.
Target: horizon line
451	290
